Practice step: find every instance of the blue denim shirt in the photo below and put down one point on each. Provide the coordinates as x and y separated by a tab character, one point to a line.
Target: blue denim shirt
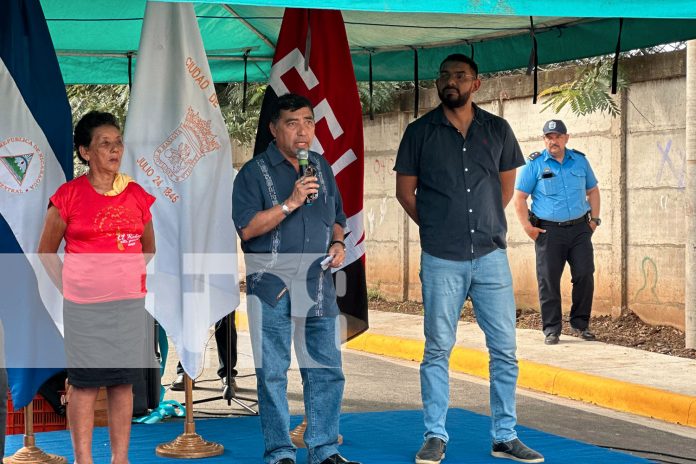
558	190
288	257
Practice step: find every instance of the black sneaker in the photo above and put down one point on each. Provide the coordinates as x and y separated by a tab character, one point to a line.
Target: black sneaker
551	339
337	459
515	450
585	334
432	451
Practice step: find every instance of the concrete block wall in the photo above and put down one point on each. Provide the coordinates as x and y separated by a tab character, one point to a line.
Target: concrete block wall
639	159
384	217
656	170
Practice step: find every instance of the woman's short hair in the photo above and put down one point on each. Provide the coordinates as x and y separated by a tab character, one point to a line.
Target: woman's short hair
86	125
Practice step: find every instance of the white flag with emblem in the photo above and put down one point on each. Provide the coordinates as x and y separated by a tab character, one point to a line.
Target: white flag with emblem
178	149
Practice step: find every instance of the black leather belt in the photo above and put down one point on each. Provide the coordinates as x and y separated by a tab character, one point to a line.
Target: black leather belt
572	222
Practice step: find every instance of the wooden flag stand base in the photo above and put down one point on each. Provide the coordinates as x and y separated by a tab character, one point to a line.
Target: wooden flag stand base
189	445
30	453
297	434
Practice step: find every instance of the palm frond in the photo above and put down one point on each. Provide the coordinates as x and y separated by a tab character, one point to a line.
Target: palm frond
588	93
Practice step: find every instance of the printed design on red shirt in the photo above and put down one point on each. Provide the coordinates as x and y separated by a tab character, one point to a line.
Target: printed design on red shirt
119	222
190	141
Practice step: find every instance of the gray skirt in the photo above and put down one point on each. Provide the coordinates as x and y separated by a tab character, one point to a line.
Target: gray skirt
107	344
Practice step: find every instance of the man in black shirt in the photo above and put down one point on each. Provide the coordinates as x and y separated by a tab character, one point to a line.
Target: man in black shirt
455	175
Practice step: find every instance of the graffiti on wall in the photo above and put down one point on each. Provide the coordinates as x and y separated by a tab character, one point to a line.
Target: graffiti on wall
675	162
372	221
382	169
647	293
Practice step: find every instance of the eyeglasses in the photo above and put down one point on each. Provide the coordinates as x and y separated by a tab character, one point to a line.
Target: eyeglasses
459	76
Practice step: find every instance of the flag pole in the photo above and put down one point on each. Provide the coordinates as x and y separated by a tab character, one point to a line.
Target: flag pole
189	445
30	453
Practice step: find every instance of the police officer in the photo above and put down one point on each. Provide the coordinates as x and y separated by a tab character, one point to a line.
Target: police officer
563	217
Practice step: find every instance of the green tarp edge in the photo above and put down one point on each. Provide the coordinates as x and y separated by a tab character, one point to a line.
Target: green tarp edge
557	44
665	9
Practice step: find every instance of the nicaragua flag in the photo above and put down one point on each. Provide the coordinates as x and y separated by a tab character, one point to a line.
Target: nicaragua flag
313	59
178	149
35	158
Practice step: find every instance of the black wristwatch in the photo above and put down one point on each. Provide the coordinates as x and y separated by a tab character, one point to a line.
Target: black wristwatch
596	220
337	241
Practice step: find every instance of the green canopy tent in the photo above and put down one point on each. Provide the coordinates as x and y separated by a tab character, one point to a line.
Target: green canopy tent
96	39
97	43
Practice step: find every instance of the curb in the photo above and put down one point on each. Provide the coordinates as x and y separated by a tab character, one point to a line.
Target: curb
601	391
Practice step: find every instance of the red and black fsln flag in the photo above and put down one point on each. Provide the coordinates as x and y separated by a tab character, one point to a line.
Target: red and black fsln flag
312	58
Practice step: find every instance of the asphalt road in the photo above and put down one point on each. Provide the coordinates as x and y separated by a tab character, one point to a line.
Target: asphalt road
379	384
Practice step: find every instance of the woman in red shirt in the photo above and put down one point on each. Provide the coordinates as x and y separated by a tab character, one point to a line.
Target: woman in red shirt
104	218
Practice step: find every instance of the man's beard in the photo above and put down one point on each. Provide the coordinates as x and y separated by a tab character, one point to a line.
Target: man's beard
451	101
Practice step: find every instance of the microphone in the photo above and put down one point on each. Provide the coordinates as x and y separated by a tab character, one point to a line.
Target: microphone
306	170
303	158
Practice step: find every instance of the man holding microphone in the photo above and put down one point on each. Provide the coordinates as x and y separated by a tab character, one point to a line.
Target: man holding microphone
290	222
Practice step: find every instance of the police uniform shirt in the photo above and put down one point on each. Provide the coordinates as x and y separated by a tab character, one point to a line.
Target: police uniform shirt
558	190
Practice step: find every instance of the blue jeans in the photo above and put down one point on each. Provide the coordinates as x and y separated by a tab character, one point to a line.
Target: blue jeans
446	284
317	346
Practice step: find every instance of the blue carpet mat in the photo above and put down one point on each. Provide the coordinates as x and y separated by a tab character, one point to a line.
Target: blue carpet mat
374	438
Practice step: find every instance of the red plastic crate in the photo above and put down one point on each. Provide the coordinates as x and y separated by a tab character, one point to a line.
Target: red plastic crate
45	418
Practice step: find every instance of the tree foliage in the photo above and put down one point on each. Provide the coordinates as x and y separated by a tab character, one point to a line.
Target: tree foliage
385	95
590	92
111	98
241	124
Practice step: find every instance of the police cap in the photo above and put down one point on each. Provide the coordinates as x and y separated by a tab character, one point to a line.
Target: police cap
555	125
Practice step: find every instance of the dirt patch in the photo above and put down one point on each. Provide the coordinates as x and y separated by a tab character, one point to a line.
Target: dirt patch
628	330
